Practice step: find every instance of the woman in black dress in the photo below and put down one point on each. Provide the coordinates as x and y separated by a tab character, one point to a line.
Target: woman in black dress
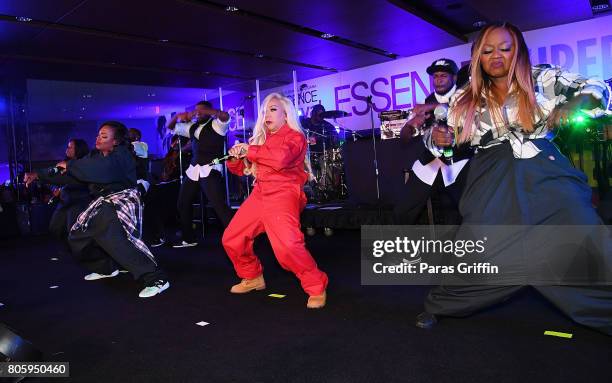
518	177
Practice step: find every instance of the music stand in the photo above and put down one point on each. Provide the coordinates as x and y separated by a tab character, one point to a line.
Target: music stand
180	146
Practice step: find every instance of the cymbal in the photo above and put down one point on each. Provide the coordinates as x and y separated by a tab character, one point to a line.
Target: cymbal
331	114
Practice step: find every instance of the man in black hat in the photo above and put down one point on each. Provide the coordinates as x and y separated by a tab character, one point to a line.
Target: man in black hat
444	73
431	173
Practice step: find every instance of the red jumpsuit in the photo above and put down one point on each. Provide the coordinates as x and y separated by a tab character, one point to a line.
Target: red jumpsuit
274	207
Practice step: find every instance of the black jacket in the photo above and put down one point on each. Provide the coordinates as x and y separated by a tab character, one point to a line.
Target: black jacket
105	175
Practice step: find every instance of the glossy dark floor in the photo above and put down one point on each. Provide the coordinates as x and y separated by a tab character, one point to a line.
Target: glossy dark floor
365	334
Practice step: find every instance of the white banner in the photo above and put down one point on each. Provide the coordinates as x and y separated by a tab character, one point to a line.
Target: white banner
584	47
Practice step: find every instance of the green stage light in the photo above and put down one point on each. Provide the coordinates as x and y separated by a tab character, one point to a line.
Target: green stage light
580	122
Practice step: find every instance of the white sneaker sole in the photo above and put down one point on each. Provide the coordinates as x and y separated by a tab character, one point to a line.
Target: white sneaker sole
96	276
185	245
146	294
158	244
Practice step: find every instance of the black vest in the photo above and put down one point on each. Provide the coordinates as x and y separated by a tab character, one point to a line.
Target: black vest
209	146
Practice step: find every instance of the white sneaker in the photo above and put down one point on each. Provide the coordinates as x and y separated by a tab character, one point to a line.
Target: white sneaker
184	244
96	276
158	243
310	231
157	287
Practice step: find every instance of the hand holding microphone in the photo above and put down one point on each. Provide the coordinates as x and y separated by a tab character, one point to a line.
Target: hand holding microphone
442	135
59	168
237	151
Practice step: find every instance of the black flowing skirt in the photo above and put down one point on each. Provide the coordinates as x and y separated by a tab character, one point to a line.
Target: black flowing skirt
545	189
542	192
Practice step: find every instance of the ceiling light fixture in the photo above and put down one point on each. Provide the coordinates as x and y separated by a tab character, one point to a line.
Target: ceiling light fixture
327	36
479	24
230	8
23	19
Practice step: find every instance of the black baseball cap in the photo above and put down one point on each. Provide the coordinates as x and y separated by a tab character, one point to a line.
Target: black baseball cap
443	65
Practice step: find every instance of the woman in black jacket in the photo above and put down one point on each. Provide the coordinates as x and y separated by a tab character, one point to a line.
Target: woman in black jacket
73	197
106	236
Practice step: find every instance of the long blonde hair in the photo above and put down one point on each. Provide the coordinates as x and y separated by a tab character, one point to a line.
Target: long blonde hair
259	132
519	81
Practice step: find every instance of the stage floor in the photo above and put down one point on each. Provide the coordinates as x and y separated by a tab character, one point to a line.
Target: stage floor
365	334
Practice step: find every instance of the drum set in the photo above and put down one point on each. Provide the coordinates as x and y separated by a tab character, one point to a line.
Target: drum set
325	154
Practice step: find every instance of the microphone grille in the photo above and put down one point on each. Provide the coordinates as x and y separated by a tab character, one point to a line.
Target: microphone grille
440	112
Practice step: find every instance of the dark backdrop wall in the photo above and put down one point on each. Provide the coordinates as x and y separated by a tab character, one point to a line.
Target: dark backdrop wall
48	140
393	157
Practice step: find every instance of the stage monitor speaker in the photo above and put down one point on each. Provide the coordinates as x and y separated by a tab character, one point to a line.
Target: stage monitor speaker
13	348
8	220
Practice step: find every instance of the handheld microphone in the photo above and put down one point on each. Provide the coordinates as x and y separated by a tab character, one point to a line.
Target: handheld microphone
55	170
217	161
226	157
440	115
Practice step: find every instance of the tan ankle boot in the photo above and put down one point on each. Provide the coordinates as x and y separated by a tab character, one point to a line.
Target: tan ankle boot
316	301
247	285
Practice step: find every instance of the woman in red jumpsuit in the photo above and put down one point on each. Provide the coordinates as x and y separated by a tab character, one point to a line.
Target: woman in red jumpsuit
276	156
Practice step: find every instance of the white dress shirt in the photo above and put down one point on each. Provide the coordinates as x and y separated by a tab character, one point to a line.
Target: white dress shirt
195	172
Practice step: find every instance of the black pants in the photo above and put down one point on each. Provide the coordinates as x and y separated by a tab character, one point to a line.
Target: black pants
542	190
588	305
104	248
416	193
64	216
159	209
214	189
